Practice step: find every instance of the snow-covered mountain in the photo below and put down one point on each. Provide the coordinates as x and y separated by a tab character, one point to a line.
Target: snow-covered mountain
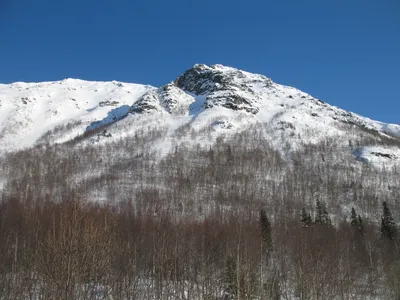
202	104
172	176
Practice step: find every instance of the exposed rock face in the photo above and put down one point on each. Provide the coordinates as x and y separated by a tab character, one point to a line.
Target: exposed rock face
168	98
174	100
385	155
225	86
203	79
147	103
222	86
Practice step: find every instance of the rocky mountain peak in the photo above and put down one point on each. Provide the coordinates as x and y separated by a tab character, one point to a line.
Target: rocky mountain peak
224	86
203	79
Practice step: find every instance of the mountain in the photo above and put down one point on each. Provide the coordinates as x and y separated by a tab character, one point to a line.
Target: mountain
212	135
219	185
211	100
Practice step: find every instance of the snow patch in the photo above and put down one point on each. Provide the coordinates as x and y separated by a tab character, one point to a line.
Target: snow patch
391	129
378	156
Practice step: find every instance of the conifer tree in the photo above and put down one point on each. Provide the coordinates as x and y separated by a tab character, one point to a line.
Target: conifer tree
388	225
356	221
354	218
325	218
319	212
305	220
266	237
322	216
360	224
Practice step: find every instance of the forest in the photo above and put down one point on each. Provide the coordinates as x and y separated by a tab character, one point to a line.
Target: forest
235	220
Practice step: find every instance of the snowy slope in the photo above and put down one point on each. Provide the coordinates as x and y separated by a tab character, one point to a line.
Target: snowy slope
223	100
378	156
199	106
270	102
214	92
28	110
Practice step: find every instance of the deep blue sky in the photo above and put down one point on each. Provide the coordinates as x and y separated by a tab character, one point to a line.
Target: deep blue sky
346	52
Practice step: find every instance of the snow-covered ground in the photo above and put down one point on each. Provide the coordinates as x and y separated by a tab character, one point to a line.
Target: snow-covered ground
28	110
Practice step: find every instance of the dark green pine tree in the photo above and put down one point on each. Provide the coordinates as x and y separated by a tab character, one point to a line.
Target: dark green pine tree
322	216
388	225
305	220
360	224
354	218
229	155
326	219
266	237
319	212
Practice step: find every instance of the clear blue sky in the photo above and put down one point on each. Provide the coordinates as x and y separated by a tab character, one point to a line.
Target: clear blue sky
346	52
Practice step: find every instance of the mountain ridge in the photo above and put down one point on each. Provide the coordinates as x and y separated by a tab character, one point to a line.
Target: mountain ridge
216	99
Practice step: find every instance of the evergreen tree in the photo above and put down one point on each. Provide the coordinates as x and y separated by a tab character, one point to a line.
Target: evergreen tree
388	225
319	212
322	216
266	237
354	218
305	220
229	155
326	220
360	224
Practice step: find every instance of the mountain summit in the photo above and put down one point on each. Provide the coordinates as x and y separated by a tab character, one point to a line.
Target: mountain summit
225	86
